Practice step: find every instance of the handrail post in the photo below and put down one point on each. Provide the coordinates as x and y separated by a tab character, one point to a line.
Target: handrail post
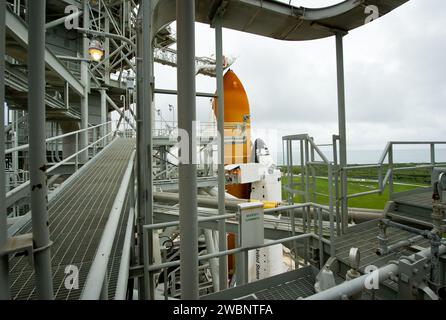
76	166
4	277
390	160
432	151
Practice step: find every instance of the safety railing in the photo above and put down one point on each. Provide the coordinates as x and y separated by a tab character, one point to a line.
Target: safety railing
308	163
386	179
317	235
97	139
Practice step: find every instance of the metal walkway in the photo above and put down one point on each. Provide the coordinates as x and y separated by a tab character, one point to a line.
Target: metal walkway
414	206
77	216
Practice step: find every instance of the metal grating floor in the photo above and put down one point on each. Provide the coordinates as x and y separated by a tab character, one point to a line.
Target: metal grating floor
421	199
303	287
77	217
364	237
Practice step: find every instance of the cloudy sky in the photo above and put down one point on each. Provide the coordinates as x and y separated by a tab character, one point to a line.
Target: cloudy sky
395	73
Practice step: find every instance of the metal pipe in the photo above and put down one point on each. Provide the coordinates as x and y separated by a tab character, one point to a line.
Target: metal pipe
185	12
59	21
351	287
113	104
176	223
123	276
144	143
4	278
85	79
175	92
342	126
103	112
399	244
202	201
214	264
98	270
331	211
37	149
236	250
106	35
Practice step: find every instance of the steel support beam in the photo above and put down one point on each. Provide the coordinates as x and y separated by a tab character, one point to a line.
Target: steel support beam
37	149
103	113
4	279
185	12
117	109
144	144
342	127
222	241
85	78
19	31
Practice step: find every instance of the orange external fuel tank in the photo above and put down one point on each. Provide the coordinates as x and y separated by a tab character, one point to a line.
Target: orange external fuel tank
237	139
237	128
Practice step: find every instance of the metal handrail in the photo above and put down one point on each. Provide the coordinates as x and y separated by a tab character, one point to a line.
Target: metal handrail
26	146
75	155
388	153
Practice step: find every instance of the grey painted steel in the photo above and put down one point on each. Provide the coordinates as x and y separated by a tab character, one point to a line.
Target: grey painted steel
236	250
174	92
147	95
222	241
204	201
103	113
98	270
4	278
78	214
37	150
17	27
123	277
214	264
144	143
59	21
106	35
285	21
342	127
113	104
176	223
185	12
85	79
351	287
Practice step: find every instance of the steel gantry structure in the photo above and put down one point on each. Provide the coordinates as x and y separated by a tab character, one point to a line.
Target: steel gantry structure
97	201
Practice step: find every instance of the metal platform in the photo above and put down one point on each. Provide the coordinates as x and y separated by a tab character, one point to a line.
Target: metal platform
77	217
364	237
286	286
414	206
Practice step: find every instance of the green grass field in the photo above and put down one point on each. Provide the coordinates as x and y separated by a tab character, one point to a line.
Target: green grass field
374	201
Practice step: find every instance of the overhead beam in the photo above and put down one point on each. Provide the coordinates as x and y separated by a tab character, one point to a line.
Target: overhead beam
17	28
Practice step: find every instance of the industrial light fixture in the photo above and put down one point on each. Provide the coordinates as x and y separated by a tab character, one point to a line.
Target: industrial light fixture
96	51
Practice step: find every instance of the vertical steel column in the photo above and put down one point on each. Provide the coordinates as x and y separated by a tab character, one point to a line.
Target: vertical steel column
85	79
103	114
390	155
336	184
37	148
222	241
432	152
4	279
342	127
144	145
147	96
188	171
